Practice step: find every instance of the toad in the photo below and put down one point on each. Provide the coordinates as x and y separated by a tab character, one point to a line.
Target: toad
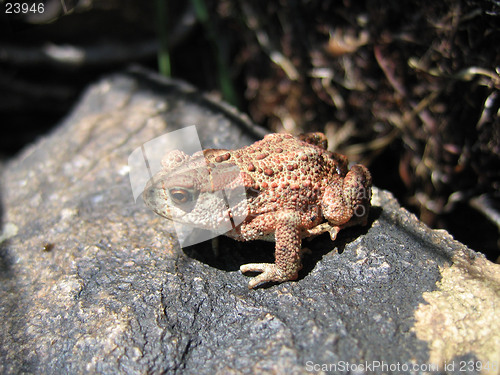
294	188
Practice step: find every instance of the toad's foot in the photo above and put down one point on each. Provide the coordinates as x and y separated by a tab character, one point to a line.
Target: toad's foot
270	272
322	228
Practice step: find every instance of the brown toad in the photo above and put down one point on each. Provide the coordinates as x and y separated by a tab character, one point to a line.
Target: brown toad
294	187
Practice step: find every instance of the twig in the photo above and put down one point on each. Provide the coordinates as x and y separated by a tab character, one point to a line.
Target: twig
484	205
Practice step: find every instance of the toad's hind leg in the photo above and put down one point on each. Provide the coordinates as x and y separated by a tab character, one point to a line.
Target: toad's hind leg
346	200
287	253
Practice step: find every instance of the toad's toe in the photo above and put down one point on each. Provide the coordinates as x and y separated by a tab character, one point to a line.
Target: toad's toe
270	273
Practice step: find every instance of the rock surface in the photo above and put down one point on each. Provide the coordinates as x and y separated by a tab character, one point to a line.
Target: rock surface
91	282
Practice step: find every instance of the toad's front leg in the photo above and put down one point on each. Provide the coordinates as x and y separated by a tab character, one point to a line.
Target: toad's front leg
287	253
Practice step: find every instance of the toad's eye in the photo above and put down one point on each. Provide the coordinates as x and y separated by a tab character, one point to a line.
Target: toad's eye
180	196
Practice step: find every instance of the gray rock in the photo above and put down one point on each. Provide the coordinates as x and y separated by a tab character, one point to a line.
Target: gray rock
92	282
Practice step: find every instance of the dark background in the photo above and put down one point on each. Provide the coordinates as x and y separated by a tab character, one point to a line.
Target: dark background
411	89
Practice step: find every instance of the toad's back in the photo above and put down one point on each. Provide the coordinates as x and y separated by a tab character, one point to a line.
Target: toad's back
284	172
